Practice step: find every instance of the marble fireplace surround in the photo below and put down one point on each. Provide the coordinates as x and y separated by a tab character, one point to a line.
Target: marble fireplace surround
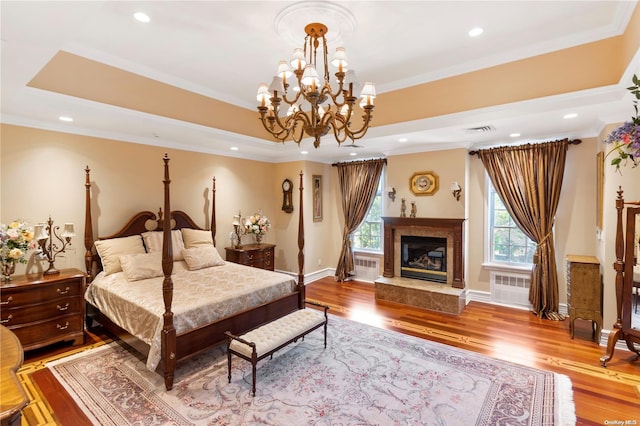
446	297
451	229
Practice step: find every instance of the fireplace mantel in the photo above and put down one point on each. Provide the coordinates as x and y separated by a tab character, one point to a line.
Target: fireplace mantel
407	225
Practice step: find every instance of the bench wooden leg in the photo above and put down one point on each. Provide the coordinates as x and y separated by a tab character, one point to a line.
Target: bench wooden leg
229	364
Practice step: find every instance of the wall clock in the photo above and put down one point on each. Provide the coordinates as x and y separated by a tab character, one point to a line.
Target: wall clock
424	183
287	196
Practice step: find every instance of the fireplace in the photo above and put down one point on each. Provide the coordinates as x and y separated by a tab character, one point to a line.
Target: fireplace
447	234
424	258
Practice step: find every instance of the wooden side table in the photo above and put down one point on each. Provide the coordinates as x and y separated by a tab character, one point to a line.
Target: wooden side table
44	309
256	255
584	292
13	398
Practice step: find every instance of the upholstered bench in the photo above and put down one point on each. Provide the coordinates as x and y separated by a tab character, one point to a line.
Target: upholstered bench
266	339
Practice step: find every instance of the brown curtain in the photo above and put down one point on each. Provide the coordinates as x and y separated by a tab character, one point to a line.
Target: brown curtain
358	184
528	179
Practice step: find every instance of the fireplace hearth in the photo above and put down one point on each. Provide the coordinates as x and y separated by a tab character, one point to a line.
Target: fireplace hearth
430	251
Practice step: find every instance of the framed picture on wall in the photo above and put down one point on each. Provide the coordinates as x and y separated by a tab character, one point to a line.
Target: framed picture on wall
317	198
424	183
599	188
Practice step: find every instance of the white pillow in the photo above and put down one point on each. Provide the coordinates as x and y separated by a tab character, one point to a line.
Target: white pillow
110	251
153	242
202	257
196	238
140	266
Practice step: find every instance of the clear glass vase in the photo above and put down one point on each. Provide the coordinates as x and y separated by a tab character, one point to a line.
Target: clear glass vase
8	268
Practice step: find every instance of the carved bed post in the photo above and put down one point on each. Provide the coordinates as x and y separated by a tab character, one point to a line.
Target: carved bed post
88	227
301	249
618	265
213	211
168	350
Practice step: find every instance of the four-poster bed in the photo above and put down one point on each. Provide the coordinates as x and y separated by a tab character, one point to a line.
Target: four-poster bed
180	320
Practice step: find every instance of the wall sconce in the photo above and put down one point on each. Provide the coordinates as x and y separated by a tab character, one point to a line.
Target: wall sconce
44	234
456	190
391	192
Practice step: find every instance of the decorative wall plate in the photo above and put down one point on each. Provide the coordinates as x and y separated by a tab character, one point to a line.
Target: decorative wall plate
424	183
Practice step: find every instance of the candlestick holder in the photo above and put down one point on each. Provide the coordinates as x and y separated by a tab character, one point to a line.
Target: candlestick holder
239	228
49	249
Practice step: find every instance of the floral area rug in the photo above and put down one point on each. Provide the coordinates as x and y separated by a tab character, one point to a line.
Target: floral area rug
366	376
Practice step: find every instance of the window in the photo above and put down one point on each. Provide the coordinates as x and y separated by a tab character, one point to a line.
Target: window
368	236
507	243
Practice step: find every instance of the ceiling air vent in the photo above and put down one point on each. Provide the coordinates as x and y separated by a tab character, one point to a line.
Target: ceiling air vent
481	129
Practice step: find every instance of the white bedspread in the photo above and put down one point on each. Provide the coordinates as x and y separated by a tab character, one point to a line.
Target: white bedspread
199	297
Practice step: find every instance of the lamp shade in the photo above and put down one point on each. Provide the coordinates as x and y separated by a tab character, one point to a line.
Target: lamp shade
276	85
263	93
298	62
369	90
284	71
39	232
310	76
340	59
68	231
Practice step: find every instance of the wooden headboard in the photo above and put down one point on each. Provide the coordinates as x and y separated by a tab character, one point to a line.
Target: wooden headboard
141	222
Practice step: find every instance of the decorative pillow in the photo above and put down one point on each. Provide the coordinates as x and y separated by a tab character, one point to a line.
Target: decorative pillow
142	265
153	242
196	238
202	257
110	251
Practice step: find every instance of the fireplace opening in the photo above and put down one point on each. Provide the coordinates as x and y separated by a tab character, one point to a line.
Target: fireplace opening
423	258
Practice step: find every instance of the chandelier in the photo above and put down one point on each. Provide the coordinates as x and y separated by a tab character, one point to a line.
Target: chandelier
314	108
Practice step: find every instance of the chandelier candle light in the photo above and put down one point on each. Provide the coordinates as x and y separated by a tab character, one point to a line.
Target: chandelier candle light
307	112
44	234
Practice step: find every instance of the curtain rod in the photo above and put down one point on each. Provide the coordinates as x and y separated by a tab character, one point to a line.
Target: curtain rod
571	142
360	161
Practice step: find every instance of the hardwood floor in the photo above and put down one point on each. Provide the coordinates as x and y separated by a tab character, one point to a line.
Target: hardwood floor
602	395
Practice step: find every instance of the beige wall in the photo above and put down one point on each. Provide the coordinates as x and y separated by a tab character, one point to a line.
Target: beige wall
42	173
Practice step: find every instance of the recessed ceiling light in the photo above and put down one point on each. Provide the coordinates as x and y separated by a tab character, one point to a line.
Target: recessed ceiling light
475	32
514	135
234	148
401	140
65	118
141	17
571	115
304	152
352	154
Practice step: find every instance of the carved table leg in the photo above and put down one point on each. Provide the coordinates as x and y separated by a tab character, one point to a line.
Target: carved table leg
611	346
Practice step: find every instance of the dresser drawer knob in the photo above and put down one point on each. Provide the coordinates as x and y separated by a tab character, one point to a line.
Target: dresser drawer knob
9	299
4	321
63	308
65	291
63	327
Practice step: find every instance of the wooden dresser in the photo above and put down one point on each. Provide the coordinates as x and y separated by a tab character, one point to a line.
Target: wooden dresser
584	292
256	255
41	310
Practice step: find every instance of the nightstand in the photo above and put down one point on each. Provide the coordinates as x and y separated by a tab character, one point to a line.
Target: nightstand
44	309
256	255
584	292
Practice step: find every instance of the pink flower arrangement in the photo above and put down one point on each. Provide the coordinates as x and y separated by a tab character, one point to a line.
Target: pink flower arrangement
258	224
626	138
15	239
